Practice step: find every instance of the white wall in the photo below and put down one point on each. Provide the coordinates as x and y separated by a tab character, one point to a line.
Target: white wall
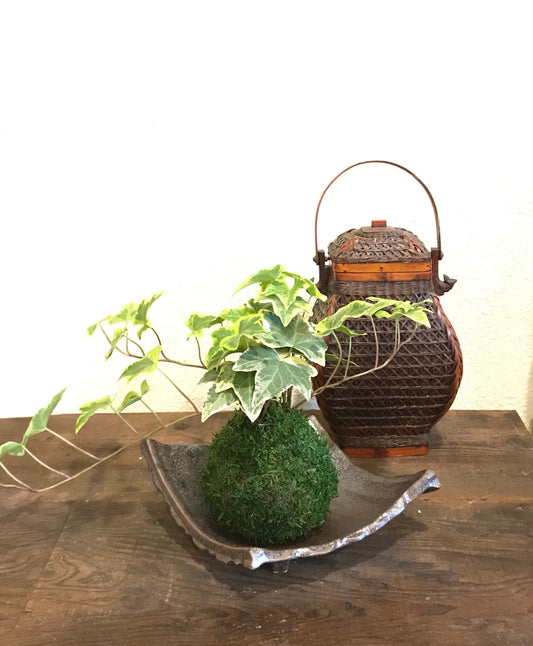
183	145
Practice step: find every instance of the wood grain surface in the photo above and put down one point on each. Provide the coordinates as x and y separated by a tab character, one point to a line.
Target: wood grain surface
99	561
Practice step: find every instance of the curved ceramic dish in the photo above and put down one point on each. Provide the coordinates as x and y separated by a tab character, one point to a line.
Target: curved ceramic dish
365	503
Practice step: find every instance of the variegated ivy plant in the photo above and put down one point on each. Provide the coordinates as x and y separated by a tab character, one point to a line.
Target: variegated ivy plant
268	346
259	351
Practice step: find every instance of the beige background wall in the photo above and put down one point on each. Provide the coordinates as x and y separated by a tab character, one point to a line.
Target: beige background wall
181	146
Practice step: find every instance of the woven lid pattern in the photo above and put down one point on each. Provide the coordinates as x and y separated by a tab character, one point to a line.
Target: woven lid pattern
369	244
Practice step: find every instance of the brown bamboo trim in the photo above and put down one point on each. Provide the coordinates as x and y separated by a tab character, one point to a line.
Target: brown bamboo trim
380	272
370	267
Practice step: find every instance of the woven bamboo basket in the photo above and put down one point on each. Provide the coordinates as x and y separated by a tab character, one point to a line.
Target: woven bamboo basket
390	411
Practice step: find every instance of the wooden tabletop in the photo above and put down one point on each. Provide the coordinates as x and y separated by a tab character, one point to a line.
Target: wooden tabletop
99	561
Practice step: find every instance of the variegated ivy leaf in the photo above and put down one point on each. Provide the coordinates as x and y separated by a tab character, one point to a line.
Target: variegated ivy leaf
145	365
217	352
265	276
215	402
243	385
235	313
274	375
126	315
208	377
244	328
399	309
309	286
286	314
378	307
234	338
39	421
224	378
287	293
332	323
197	323
297	335
11	448
132	397
90	408
134	313
348	332
118	334
141	315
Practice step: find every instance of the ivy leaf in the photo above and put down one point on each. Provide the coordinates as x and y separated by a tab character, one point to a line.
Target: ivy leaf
225	375
126	315
208	377
285	292
136	314
274	375
217	352
145	365
92	328
215	402
235	313
354	309
197	323
348	332
298	335
298	307
11	448
89	409
264	276
309	286
243	330
399	309
242	384
117	335
419	316
141	315
39	421
132	397
235	338
244	387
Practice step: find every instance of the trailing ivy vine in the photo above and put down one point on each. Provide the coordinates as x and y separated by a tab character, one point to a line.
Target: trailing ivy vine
258	352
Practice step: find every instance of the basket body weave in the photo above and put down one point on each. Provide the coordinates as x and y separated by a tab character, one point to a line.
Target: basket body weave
390	411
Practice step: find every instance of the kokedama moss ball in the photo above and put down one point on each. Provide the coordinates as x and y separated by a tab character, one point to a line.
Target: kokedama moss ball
269	481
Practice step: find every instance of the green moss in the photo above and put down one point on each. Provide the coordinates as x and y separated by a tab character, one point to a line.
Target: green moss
269	481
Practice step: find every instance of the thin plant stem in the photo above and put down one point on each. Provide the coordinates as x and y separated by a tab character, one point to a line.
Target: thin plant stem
349	357
68	478
376	340
184	395
339	359
127	352
24	485
168	360
200	352
137	345
43	464
125	421
117	451
74	446
152	411
370	370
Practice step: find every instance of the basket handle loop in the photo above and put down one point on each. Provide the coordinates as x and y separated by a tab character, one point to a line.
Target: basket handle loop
438	252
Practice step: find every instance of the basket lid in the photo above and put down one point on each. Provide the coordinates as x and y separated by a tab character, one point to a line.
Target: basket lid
377	243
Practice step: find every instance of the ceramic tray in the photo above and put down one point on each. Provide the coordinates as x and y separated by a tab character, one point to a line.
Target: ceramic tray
365	503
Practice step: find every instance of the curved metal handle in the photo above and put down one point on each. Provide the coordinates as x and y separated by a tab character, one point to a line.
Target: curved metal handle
380	161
